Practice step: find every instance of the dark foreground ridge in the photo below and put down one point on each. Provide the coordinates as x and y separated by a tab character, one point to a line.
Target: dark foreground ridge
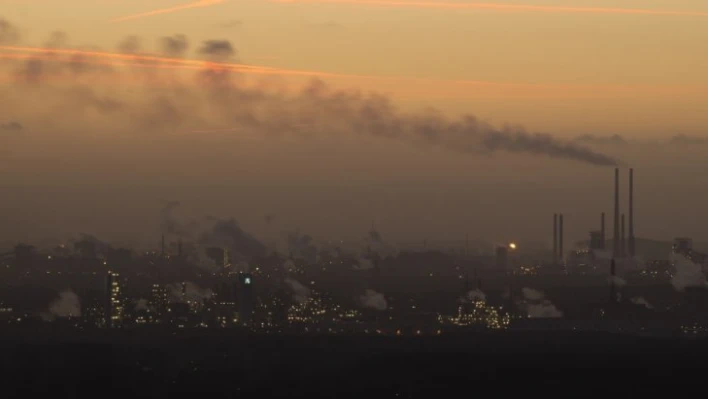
121	364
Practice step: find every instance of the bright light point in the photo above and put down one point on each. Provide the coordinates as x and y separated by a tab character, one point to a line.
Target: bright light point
512	245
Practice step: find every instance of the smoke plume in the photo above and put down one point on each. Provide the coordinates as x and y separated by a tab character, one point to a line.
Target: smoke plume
531	294
473	296
302	246
174	46
141	304
617	281
9	34
66	305
188	292
10	126
228	234
364	264
316	111
536	306
300	293
688	274
641	302
374	300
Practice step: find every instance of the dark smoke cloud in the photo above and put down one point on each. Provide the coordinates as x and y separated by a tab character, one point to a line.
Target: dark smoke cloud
315	111
218	49
233	24
682	139
174	46
11	126
130	45
57	39
228	234
9	34
615	139
302	246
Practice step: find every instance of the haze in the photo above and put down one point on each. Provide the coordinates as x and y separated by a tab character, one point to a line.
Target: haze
94	143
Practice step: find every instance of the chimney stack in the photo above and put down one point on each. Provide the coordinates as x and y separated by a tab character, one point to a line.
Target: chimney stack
602	229
162	249
616	238
560	237
555	238
623	242
613	294
631	214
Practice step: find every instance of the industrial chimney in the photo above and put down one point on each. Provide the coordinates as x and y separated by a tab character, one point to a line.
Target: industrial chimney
602	230
631	214
616	238
555	238
560	237
613	294
623	242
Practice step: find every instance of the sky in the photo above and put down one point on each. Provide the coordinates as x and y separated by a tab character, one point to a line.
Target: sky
99	141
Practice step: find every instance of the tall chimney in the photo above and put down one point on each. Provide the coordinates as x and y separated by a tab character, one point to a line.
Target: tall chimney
602	229
560	237
616	238
613	295
631	213
623	242
162	249
555	238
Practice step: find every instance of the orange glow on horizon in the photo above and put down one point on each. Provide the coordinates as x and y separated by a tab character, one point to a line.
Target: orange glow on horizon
500	7
196	4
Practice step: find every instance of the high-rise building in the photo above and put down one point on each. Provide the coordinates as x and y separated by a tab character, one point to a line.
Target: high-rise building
114	301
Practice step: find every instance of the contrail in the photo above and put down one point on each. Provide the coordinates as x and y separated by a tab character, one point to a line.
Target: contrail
196	4
502	7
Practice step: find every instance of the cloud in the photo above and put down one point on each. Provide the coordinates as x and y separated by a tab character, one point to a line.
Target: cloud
220	50
688	274
130	45
9	34
300	292
175	45
374	300
66	305
641	301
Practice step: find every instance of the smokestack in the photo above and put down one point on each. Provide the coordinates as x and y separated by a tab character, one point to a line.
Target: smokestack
555	238
560	237
631	213
162	247
623	242
616	238
602	230
613	295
